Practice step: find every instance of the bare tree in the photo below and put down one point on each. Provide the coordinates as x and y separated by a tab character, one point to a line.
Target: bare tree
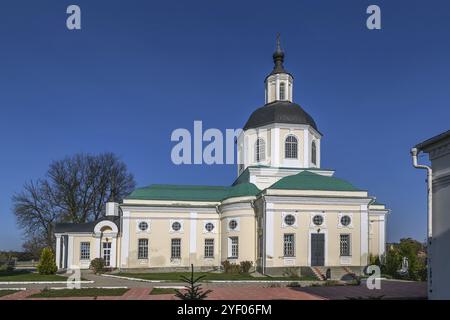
75	189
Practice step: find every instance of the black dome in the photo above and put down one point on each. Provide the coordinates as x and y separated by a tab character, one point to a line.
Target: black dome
279	112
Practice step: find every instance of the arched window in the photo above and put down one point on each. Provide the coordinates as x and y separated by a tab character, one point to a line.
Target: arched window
291	147
313	153
260	150
282	91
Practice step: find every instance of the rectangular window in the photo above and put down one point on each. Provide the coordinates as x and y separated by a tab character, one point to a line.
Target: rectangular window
176	249
85	251
282	91
234	247
345	245
289	245
209	248
143	249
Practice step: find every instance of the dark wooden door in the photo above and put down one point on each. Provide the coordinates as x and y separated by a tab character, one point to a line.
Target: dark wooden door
317	249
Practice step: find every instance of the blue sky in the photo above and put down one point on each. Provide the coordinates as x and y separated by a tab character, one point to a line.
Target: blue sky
140	69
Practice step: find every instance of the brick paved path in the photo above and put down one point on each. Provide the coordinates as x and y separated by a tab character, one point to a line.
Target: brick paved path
20	294
227	293
390	289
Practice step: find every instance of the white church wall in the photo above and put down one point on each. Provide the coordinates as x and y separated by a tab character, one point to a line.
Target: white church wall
245	231
331	227
160	233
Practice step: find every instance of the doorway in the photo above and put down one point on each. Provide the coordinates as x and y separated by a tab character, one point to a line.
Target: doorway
317	249
107	253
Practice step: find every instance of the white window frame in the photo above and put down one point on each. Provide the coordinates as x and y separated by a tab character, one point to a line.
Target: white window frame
324	223
83	255
291	243
213	230
282	85
349	245
340	215
289	152
209	248
143	231
171	230
237	227
314	152
142	249
174	247
284	224
260	149
233	247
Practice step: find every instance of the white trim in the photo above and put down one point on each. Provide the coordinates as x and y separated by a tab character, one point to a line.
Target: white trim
105	223
98	247
342	214
238	224
291	126
345	260
311	218
283	216
213	231
277	88
305	198
306	163
113	254
192	233
382	236
138	230
70	252
275	147
180	221
125	241
364	243
317	140
58	251
269	230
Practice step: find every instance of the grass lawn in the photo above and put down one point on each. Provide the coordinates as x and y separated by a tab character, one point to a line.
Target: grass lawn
85	292
7	292
175	276
28	276
162	291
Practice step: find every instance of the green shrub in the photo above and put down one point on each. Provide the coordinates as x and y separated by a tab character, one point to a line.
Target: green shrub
291	272
246	266
229	267
97	265
47	264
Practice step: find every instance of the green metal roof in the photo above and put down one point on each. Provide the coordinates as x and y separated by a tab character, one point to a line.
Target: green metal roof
307	180
242	190
193	192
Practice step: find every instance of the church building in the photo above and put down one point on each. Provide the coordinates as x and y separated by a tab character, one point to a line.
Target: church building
284	212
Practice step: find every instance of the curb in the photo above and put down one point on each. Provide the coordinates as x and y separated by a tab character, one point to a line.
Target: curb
131	279
103	287
208	281
45	282
13	289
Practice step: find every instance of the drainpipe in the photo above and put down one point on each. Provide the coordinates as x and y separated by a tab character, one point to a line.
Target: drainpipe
219	237
264	257
414	153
